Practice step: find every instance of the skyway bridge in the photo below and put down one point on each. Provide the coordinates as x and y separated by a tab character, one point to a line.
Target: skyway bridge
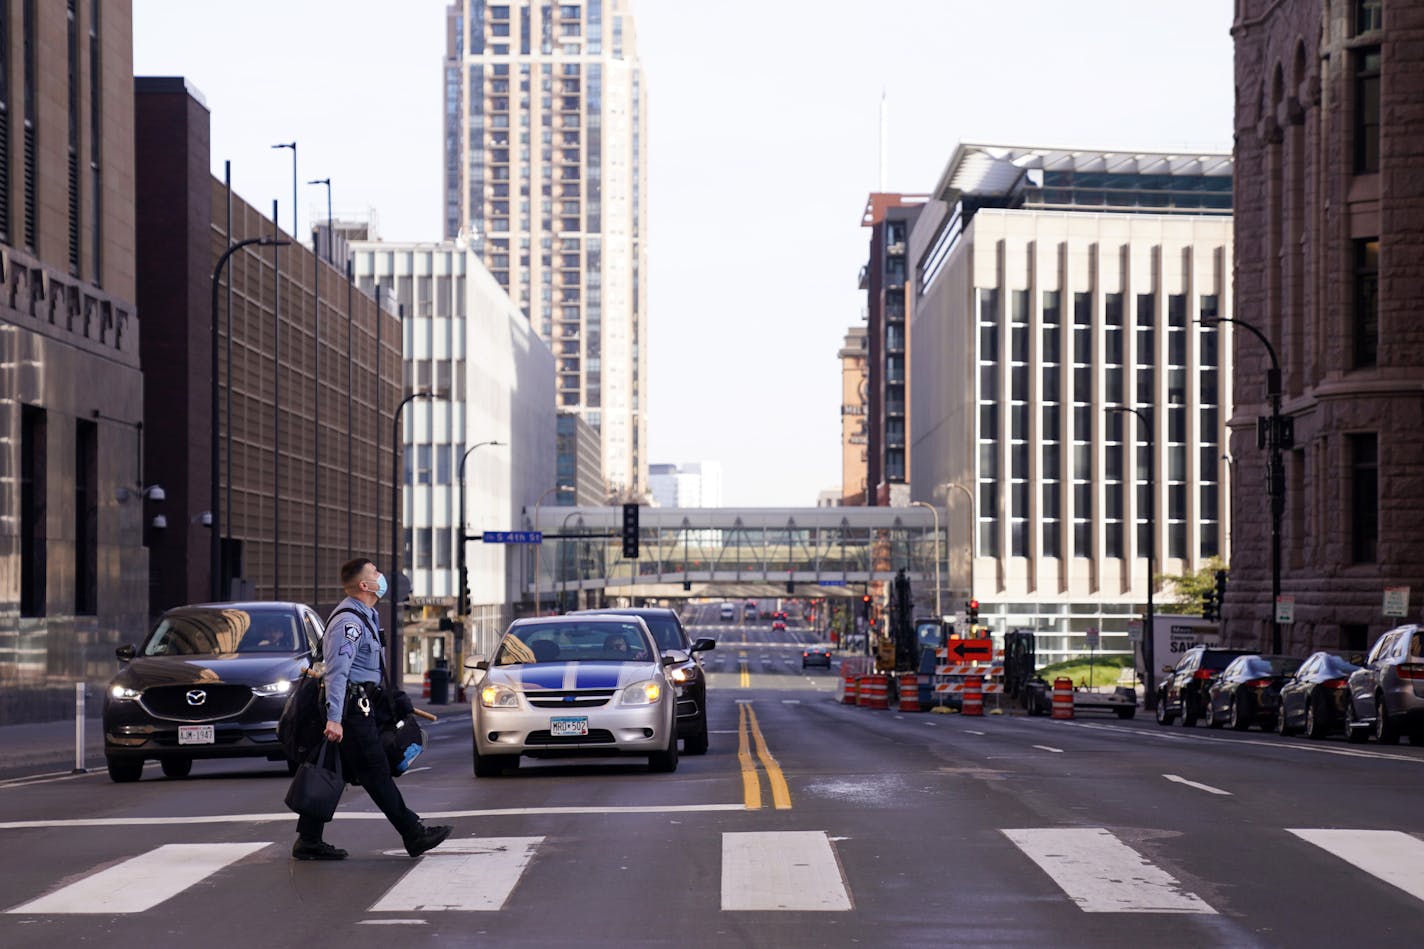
730	552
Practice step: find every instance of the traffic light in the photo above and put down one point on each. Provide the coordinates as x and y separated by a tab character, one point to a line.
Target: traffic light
790	586
1211	609
971	612
1220	592
630	531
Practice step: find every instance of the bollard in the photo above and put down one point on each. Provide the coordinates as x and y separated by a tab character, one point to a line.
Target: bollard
79	728
1062	697
973	701
909	692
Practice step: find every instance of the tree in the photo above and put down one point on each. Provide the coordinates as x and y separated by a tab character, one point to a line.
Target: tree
1189	590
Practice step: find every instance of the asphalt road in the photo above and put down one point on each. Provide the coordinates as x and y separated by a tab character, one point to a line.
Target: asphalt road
808	823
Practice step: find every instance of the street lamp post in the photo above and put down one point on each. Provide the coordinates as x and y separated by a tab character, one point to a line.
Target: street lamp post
934	511
1278	438
973	528
394	649
561	489
1150	680
327	182
293	146
462	599
564	579
215	541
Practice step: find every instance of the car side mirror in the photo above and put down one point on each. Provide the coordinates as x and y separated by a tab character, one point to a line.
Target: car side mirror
476	663
670	660
705	644
126	652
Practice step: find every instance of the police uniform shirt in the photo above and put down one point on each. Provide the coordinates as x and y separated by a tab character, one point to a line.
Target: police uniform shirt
351	651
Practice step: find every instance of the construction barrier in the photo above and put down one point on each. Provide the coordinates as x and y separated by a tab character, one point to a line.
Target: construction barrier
850	690
909	692
873	692
973	698
950	677
1062	697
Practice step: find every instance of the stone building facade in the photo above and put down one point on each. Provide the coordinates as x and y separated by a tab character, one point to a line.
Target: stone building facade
1329	202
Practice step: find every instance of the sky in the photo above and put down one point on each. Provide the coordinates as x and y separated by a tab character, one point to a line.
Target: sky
763	138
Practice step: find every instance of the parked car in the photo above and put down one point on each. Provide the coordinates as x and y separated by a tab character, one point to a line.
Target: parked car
1247	692
574	685
1387	691
816	656
1184	691
687	674
209	681
1313	700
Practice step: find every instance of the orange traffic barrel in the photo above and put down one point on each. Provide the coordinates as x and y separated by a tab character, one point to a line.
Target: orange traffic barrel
849	689
1062	697
973	700
909	692
873	692
425	688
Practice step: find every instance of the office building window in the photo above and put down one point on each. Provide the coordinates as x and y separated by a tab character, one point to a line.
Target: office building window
86	517
96	137
31	117
1113	451
1366	302
34	472
5	126
1369	16
1364	498
989	431
1082	425
442	548
1367	110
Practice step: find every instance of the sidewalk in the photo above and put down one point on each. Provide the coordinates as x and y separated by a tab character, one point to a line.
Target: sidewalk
46	747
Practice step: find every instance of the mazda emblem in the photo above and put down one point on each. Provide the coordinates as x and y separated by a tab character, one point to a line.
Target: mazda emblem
197	697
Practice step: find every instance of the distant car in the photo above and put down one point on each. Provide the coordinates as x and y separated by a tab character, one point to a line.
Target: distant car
816	656
573	685
778	625
209	681
1387	691
1184	691
1313	700
687	674
1247	692
728	611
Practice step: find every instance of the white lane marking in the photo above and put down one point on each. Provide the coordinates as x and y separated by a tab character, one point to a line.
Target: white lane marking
1193	784
392	922
362	815
1278	744
1102	874
471	875
970	731
782	870
1393	856
1056	751
47	778
790	701
141	883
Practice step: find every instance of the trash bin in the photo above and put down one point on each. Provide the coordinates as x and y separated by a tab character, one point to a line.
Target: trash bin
440	683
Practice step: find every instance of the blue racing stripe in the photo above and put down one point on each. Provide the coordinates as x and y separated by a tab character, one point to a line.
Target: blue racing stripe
545	675
599	675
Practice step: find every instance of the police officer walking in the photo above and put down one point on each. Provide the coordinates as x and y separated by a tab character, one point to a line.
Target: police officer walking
353	655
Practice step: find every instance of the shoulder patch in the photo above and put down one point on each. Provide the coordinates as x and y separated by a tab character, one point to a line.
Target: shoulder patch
352	632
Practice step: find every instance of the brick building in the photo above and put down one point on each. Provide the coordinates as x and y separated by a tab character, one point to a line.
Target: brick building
1329	201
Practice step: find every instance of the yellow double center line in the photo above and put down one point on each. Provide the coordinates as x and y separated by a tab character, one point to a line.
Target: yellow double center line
746	676
748	731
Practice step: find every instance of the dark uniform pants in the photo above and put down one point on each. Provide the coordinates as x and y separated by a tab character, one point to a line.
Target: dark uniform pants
363	759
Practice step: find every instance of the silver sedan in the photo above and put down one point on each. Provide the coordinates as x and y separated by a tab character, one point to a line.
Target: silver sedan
574	685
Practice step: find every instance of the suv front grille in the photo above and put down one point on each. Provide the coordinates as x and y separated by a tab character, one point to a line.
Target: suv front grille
219	701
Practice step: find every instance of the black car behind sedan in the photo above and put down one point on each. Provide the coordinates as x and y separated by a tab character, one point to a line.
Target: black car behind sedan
1314	699
208	682
1184	691
1248	691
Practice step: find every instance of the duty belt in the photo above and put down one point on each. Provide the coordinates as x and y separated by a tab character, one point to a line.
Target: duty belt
362	693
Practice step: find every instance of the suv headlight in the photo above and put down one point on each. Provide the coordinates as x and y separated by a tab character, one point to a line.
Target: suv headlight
642	693
124	693
280	687
685	674
499	696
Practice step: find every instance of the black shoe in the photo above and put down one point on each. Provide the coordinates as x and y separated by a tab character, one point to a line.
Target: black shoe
426	838
316	850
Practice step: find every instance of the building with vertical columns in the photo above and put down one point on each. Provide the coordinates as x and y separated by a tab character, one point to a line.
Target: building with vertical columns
1050	285
854	397
1330	268
74	515
546	174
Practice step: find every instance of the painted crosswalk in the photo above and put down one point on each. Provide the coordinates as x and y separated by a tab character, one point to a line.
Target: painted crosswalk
1096	869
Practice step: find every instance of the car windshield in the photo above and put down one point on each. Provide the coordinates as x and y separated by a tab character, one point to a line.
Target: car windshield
1271	666
220	631
1216	661
665	631
1336	666
574	642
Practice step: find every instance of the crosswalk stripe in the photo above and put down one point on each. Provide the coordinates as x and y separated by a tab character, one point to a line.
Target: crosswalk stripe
142	882
1102	874
1393	856
782	870
472	875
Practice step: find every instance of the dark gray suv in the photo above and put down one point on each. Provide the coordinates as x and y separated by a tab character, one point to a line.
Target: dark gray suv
686	672
1387	692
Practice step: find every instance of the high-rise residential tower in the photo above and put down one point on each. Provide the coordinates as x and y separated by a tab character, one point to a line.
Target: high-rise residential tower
546	175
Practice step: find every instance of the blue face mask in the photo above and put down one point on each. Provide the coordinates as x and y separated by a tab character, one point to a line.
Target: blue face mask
381	586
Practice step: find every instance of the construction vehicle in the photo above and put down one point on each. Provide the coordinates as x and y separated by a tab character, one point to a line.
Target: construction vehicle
1023	684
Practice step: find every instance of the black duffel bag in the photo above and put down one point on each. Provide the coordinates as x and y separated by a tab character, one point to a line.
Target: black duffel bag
402	738
317	786
303	720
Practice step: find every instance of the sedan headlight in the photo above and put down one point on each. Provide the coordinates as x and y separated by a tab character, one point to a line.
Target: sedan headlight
684	674
499	696
281	687
642	693
124	693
